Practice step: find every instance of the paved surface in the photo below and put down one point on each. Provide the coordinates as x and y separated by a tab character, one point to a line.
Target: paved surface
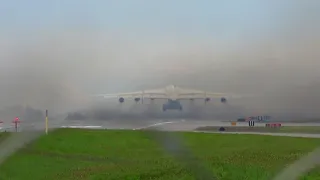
168	125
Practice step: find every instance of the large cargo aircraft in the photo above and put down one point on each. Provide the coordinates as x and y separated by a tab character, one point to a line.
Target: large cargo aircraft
172	94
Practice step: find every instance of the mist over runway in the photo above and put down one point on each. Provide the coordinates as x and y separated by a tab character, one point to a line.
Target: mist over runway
54	55
196	110
273	55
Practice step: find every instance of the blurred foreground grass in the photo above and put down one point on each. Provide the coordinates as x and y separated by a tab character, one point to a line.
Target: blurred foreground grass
3	136
123	154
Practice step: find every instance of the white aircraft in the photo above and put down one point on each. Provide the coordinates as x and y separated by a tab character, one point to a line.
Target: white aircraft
171	93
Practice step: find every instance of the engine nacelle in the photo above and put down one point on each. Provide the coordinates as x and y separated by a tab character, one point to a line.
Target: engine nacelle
207	99
121	100
137	99
223	100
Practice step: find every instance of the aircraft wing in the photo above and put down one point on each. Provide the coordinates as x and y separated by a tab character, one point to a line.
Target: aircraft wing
197	94
152	94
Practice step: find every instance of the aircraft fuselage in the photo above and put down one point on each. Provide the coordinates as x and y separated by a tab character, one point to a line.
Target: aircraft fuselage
172	105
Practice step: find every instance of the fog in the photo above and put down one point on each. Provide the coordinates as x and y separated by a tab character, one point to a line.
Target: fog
58	69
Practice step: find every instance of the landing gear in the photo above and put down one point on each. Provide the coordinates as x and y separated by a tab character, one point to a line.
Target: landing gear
164	108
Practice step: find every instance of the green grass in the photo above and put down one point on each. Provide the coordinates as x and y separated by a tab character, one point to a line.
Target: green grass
284	129
3	136
99	154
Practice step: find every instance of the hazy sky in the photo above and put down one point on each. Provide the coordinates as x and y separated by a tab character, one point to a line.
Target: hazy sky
227	19
109	46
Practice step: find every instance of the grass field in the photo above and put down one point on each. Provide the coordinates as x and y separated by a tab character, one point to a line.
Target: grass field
3	136
284	129
99	154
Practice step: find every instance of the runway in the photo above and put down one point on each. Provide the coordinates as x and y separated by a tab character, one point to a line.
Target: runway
166	125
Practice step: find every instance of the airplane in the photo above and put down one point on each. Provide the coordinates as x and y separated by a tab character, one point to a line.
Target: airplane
172	93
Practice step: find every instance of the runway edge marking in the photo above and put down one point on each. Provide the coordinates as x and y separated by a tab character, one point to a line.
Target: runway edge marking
158	124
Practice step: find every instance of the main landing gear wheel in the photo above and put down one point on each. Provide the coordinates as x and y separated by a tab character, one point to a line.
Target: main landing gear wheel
164	108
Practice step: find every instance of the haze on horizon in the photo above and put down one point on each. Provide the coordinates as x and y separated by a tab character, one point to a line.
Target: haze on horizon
53	54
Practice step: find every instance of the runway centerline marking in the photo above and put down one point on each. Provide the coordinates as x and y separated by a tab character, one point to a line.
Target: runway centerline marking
158	124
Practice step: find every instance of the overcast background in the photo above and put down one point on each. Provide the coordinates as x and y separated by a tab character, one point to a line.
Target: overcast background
53	54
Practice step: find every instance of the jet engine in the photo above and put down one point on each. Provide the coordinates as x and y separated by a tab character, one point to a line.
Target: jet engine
121	100
137	99
223	100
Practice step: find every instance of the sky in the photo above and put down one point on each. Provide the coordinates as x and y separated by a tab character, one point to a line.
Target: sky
77	46
226	19
156	16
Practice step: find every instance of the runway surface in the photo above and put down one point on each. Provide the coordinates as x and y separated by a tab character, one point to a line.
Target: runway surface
167	125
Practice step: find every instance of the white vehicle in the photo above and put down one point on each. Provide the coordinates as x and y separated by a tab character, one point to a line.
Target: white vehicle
171	93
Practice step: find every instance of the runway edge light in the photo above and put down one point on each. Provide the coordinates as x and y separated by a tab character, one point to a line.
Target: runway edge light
46	121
